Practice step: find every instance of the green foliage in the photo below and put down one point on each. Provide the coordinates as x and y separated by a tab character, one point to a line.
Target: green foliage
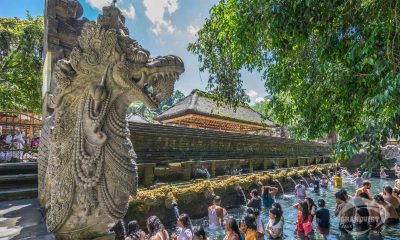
140	109
21	64
327	64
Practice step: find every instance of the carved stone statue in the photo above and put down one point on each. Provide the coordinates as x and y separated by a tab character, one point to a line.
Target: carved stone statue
86	161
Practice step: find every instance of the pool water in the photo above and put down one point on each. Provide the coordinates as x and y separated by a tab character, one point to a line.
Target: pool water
290	215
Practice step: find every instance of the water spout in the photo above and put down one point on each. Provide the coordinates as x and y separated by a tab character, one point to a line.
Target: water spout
308	186
294	182
241	197
276	166
233	171
284	196
201	172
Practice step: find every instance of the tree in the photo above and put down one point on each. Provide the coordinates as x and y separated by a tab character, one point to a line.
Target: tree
21	64
327	64
174	99
140	109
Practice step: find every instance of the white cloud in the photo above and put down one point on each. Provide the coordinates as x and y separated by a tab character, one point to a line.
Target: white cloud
99	4
192	29
258	99
129	12
155	12
252	93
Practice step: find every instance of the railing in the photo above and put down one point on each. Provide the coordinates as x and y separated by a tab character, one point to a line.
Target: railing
15	155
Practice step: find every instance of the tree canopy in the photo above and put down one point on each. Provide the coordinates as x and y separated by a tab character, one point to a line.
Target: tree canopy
140	109
21	63
327	64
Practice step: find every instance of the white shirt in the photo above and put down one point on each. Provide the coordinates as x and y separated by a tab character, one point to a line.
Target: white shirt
185	234
273	227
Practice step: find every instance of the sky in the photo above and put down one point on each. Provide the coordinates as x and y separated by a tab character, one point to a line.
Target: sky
161	26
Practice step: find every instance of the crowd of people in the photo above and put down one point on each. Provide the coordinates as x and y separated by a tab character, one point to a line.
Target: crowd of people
360	212
18	146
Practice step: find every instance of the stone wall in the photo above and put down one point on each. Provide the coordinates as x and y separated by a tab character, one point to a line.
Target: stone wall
169	153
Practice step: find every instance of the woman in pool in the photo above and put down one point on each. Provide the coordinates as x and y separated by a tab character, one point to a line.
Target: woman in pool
274	228
256	213
156	229
184	228
249	227
304	219
134	232
232	230
312	208
268	196
324	182
382	173
300	190
199	233
279	207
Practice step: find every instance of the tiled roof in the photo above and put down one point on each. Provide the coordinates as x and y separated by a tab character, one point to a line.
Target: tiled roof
198	102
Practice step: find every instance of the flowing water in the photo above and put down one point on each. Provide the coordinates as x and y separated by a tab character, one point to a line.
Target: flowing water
294	182
305	180
290	215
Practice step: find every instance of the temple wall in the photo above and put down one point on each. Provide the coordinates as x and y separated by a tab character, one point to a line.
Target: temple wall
169	153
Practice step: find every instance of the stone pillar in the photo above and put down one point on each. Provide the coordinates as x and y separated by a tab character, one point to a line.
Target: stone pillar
268	163
187	170
213	169
302	161
281	162
251	162
291	162
148	177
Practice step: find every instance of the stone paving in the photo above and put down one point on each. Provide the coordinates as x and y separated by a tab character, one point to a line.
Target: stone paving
22	219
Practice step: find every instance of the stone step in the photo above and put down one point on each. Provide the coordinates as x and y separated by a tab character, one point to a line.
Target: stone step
17	168
17	178
19	193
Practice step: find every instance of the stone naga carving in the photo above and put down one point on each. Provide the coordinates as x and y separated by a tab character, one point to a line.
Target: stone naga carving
86	161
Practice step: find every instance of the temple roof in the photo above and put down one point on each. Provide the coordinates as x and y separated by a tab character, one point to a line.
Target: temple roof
202	103
136	118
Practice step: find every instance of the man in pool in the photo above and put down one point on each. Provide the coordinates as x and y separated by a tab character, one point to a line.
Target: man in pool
388	196
344	210
366	188
216	214
389	215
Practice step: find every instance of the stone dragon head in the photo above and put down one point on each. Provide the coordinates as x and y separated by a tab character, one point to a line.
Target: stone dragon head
86	160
